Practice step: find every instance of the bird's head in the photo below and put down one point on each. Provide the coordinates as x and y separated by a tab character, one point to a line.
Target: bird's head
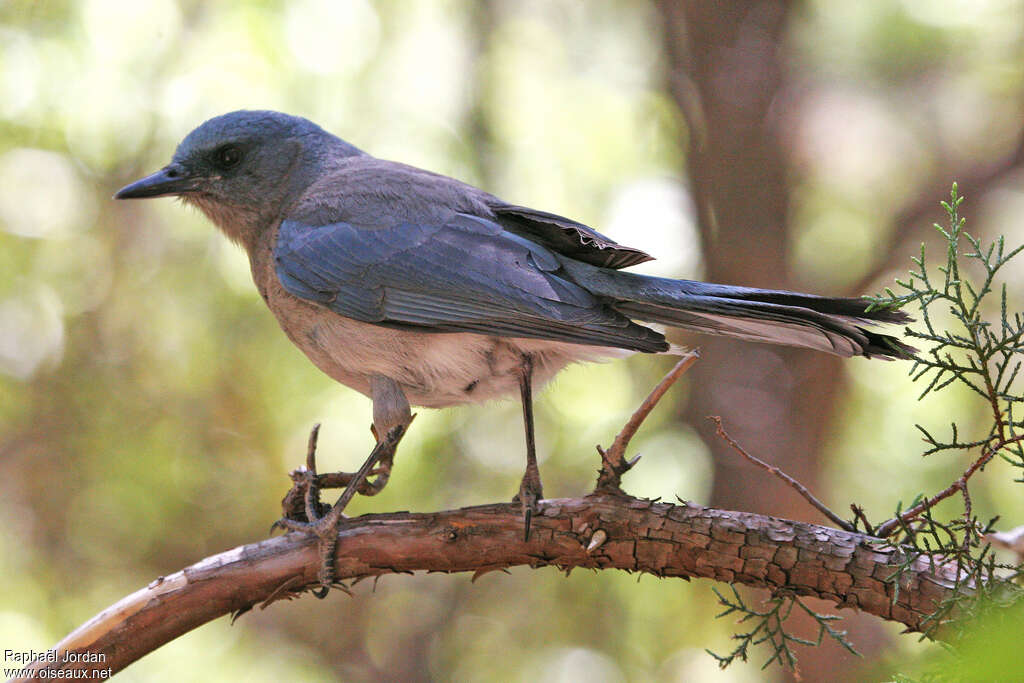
239	168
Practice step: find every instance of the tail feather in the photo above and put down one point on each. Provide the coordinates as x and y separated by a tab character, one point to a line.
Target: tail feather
833	325
775	324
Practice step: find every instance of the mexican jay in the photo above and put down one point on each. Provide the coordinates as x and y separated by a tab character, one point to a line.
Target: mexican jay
414	288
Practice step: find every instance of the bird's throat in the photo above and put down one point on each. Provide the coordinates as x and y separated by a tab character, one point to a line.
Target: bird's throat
241	224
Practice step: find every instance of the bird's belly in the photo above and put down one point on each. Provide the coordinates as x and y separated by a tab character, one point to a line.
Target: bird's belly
433	369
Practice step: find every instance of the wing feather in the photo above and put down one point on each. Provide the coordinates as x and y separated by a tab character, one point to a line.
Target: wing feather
467	274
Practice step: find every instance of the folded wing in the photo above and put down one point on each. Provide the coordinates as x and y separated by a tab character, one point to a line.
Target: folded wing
466	274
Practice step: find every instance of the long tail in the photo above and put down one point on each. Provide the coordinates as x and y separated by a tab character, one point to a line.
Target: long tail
833	325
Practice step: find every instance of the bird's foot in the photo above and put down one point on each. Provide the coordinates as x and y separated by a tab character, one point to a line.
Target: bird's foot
293	505
530	494
315	518
302	502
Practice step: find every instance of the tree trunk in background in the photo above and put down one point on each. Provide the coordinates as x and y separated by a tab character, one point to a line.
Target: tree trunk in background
726	76
726	73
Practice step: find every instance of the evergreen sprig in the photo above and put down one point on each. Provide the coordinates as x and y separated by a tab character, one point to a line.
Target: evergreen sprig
980	346
769	627
972	339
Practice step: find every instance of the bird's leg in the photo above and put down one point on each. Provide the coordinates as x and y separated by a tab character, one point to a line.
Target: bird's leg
390	409
391	417
530	491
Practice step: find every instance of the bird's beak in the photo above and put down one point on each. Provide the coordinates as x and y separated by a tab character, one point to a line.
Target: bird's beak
170	180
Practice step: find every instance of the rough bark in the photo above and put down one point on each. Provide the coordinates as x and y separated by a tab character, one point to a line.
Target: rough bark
667	540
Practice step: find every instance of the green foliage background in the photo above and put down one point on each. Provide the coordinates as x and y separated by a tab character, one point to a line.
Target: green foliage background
150	408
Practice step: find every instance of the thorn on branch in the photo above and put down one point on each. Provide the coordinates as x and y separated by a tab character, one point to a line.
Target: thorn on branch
859	516
596	541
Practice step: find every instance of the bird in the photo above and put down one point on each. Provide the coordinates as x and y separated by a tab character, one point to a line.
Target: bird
414	288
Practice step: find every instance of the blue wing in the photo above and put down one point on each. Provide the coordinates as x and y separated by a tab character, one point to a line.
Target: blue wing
467	274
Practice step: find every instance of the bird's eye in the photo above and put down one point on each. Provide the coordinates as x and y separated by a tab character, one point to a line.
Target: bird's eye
228	156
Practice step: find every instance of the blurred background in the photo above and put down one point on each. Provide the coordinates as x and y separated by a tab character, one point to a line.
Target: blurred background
150	407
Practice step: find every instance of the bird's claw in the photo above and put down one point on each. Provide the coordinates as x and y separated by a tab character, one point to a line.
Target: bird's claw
323	521
530	494
325	528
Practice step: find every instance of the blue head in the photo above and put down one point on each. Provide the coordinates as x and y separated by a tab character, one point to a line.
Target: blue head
239	167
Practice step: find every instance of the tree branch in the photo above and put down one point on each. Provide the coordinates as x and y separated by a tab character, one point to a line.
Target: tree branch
613	460
885	529
790	481
596	532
